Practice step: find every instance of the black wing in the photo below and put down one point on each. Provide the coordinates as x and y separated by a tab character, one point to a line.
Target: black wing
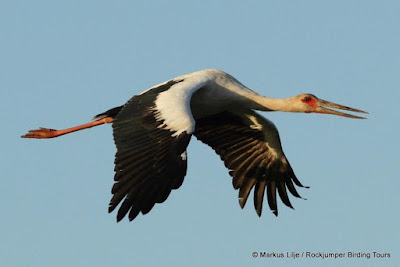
250	147
150	160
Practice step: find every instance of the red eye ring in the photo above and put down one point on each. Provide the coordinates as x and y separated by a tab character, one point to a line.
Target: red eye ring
307	99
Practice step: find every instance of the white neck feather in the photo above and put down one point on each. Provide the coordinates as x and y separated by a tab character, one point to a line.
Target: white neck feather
274	104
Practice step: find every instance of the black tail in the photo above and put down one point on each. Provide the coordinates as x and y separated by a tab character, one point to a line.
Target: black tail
109	113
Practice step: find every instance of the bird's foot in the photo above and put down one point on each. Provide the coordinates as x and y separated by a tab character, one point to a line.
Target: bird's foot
41	133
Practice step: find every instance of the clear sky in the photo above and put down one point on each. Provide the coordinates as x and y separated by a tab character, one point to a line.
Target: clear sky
62	62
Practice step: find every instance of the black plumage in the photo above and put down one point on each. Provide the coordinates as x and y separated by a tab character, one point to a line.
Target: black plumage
245	150
149	162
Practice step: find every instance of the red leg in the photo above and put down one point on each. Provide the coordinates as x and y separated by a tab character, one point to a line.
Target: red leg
50	133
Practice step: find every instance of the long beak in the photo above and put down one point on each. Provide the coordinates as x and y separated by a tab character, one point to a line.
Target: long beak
323	106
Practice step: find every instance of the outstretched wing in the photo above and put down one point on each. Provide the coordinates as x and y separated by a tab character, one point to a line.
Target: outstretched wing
250	147
151	133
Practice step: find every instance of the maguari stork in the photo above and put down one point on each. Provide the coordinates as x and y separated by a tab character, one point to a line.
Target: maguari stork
153	129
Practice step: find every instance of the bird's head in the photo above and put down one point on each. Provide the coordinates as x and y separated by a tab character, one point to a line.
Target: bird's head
309	103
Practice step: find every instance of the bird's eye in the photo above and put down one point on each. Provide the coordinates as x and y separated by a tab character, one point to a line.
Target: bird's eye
307	99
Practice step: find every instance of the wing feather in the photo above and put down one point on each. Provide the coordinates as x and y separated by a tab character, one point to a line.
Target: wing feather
151	139
271	196
244	191
259	196
250	147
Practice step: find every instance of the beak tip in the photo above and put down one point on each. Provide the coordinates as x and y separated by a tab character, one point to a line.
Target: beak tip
325	105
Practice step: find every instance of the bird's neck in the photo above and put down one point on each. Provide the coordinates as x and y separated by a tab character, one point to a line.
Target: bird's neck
273	104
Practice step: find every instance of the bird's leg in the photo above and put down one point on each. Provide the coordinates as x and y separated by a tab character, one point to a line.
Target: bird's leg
50	133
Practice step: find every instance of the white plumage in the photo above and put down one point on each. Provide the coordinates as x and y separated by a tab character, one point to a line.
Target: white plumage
218	91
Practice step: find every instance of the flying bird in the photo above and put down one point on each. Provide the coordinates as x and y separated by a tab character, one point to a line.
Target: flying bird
153	129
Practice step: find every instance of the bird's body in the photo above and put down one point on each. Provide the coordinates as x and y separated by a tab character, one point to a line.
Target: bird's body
153	129
196	95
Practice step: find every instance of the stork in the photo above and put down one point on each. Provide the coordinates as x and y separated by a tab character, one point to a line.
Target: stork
153	129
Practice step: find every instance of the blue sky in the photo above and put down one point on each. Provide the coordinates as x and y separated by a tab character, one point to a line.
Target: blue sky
64	62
